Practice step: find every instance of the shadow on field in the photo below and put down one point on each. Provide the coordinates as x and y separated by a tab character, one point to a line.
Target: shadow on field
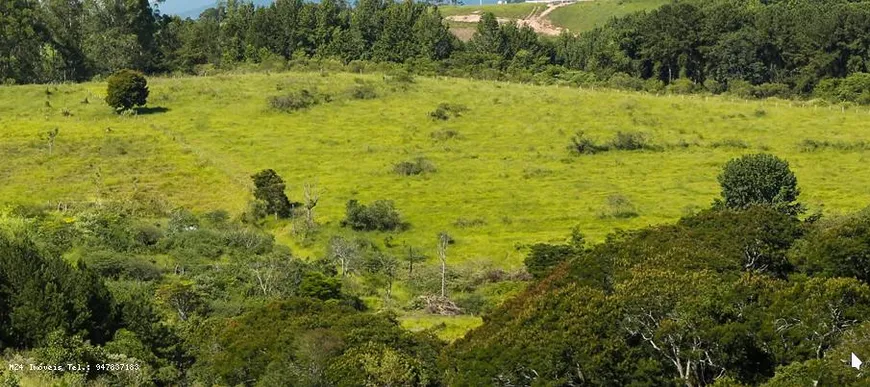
151	110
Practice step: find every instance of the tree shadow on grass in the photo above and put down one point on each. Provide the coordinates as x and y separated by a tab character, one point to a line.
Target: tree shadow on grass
151	110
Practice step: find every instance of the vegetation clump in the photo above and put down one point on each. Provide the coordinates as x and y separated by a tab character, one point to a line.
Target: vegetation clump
299	100
627	141
619	207
381	215
418	166
127	89
269	188
445	111
363	91
758	179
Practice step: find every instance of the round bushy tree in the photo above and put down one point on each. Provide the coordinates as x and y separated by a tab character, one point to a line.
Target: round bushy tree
759	179
127	89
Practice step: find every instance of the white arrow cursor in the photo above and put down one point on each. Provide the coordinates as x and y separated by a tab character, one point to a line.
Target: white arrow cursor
856	362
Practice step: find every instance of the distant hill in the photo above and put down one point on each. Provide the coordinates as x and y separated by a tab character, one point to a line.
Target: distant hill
193	8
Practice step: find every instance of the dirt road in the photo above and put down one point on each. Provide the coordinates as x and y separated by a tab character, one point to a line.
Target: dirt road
536	20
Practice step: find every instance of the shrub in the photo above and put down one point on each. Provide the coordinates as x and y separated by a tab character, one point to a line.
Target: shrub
714	86
468	223
417	166
363	91
299	100
810	145
127	89
682	86
620	207
730	143
445	110
767	90
625	82
854	88
630	141
400	77
759	179
446	134
584	145
381	215
740	89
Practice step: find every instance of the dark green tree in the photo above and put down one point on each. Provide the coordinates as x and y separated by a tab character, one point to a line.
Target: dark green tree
269	187
20	42
759	179
127	89
489	38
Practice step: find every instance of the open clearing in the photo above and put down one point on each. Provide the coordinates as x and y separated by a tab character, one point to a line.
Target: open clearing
546	19
504	174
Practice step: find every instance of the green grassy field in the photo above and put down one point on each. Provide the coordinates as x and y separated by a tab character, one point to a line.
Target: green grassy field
504	180
587	15
579	17
509	11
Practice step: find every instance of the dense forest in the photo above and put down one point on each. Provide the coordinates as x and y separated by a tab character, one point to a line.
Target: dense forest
748	47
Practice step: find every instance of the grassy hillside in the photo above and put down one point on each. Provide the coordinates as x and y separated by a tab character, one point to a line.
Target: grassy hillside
576	18
587	15
509	11
504	176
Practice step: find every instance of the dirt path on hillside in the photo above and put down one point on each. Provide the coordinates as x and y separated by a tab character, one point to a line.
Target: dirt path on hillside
537	21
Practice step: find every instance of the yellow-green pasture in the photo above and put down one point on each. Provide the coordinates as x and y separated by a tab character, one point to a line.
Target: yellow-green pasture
505	178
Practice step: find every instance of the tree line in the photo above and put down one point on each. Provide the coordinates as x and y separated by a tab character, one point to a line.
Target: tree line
751	48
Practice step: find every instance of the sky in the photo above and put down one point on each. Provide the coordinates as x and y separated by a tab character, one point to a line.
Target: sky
177	7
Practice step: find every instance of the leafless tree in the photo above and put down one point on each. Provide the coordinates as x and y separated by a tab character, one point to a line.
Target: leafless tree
344	252
50	136
443	241
310	196
692	356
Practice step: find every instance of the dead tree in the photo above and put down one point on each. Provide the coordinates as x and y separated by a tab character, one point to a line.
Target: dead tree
443	241
50	136
311	196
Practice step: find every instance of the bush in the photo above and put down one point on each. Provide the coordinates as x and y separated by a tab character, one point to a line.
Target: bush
625	82
584	145
299	100
445	110
714	86
446	134
682	86
620	207
116	266
767	90
418	166
127	89
630	141
758	179
379	216
740	89
854	88
363	92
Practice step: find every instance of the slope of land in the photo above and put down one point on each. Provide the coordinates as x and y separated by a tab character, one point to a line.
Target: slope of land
536	19
586	15
504	174
547	19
